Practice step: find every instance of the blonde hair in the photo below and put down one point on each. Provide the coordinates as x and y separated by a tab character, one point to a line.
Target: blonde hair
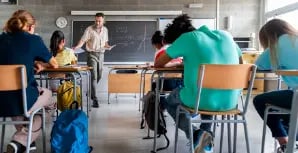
269	35
19	21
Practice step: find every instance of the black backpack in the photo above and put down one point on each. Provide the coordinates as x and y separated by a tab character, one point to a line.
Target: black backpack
149	112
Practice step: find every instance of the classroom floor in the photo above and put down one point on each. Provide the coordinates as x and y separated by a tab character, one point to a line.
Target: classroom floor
115	128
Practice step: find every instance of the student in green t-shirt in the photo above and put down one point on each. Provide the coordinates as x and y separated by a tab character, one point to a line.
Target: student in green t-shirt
201	46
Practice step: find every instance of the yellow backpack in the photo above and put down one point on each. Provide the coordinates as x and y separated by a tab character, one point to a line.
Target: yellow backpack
65	96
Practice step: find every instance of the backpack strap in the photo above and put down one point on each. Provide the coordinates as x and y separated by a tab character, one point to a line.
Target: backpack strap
165	128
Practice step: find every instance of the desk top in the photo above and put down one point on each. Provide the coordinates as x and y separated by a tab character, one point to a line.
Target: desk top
68	69
166	68
123	67
293	72
265	71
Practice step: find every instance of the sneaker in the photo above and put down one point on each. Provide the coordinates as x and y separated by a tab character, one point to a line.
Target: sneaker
33	146
15	147
95	104
203	141
281	149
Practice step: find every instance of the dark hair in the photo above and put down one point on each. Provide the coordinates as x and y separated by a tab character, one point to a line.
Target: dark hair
99	15
270	33
179	25
157	38
18	21
56	38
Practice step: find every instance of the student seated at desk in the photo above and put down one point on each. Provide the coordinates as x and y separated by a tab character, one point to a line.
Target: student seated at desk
157	41
64	56
280	41
18	40
201	46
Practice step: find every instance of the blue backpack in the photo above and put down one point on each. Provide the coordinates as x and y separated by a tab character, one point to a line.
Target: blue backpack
70	133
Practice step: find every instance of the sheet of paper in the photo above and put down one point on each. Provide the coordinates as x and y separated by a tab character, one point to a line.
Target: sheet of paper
79	50
110	48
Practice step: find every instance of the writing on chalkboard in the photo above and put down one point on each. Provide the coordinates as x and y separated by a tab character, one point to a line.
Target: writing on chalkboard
132	40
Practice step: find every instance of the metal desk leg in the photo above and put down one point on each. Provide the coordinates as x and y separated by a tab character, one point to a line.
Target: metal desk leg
108	87
81	92
142	84
156	112
293	123
88	90
74	86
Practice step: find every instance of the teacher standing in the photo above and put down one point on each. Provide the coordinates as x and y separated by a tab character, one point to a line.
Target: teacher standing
96	39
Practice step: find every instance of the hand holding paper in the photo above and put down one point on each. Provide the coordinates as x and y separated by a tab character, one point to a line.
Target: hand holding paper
110	48
79	50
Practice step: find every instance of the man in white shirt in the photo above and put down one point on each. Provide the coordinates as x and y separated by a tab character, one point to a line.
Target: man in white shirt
96	39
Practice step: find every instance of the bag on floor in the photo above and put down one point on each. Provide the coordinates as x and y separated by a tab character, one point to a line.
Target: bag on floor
149	112
70	133
65	95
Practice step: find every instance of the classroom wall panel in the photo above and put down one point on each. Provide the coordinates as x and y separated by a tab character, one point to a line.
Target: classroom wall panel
48	11
245	14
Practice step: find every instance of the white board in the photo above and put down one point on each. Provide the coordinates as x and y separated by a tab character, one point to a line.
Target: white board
210	23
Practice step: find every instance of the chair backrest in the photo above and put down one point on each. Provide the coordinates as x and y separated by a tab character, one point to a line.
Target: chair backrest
14	78
221	76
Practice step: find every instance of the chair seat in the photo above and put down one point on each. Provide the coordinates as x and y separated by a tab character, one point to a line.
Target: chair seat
229	112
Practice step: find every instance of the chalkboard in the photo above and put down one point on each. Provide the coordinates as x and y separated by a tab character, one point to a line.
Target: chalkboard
132	40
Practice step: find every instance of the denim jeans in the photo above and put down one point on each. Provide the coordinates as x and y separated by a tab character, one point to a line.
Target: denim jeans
172	102
278	124
168	85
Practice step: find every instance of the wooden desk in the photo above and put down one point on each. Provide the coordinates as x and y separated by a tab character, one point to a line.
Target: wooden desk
64	69
250	57
294	112
72	70
128	82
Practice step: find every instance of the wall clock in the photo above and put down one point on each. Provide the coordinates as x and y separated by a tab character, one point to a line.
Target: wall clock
61	22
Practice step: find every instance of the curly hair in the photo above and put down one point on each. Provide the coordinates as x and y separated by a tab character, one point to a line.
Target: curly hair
157	38
181	24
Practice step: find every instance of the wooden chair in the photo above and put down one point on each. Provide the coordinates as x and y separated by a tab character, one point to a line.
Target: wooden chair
14	78
215	76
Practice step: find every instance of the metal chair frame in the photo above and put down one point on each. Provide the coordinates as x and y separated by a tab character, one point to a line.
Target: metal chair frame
20	83
208	73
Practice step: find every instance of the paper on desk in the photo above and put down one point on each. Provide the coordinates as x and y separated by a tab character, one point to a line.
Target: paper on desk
110	48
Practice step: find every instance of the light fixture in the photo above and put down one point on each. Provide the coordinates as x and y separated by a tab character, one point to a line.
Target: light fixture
195	4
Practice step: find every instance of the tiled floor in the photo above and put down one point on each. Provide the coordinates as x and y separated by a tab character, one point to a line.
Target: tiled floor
115	128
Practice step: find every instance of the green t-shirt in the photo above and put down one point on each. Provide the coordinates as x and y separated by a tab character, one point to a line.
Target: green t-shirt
204	46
